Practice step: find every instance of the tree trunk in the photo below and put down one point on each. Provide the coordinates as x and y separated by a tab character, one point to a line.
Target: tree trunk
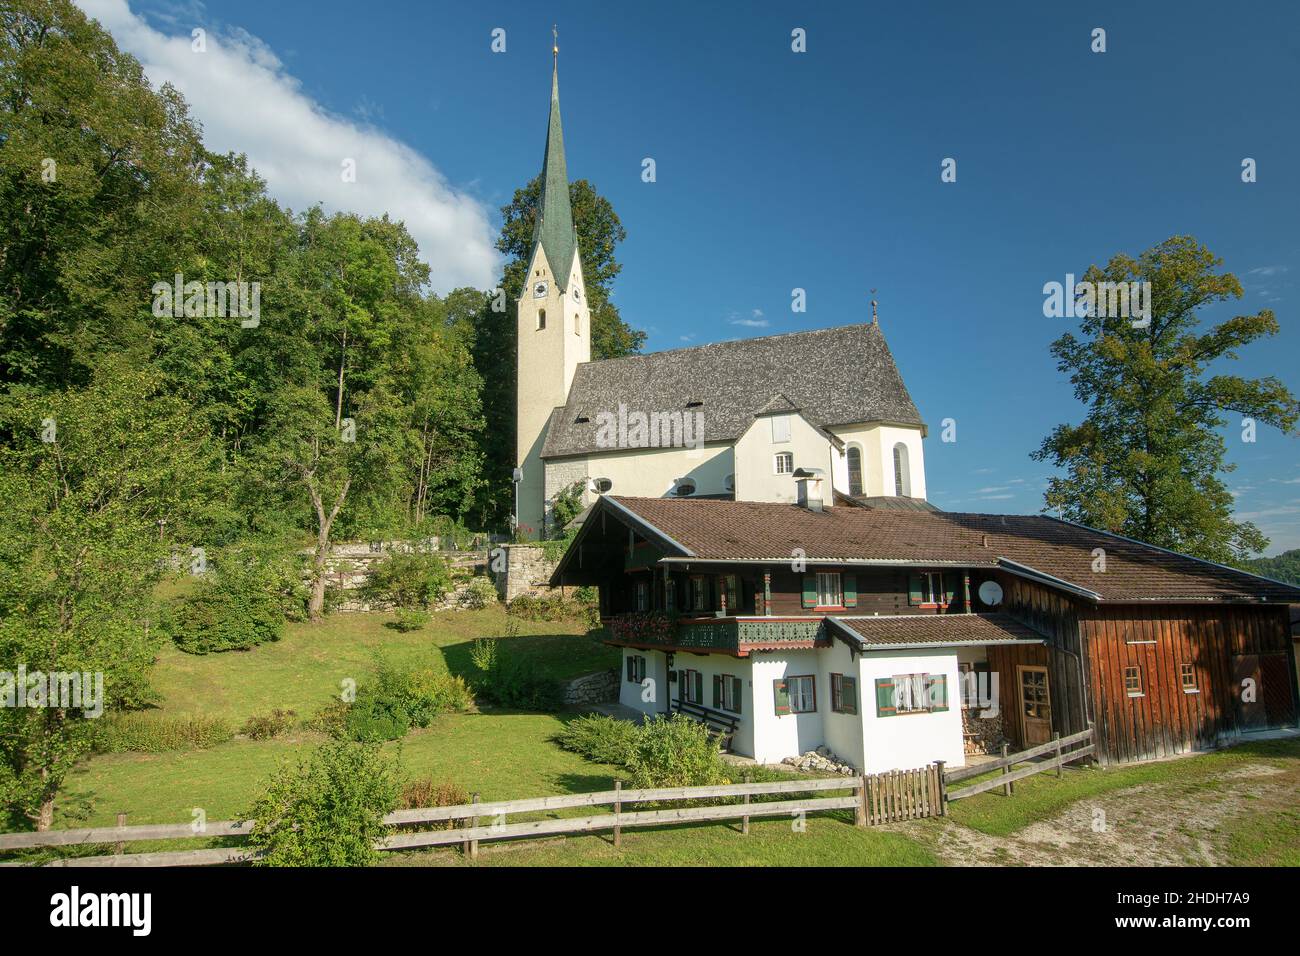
45	819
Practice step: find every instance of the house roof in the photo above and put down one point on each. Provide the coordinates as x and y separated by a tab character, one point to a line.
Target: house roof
836	376
932	630
1058	553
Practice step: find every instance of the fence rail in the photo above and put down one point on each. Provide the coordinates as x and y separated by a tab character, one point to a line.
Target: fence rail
874	798
1056	747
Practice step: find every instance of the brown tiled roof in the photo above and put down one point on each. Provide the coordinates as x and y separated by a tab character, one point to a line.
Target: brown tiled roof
934	629
748	530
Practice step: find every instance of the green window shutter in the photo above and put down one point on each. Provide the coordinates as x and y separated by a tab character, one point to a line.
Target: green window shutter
699	687
949	582
885	705
782	697
914	588
850	585
810	590
936	691
737	688
717	692
631	668
849	695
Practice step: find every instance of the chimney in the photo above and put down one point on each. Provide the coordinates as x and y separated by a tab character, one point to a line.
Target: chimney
808	481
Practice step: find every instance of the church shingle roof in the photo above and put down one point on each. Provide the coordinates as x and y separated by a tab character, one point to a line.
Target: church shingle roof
835	376
554	227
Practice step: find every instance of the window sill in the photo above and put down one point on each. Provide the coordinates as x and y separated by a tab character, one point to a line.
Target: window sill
1191	690
1136	695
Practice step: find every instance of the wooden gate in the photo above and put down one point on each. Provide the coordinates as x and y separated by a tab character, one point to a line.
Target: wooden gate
904	794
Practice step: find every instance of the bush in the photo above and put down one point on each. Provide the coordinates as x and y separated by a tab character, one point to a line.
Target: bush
266	726
395	701
327	810
408	619
599	738
509	682
422	793
235	609
554	607
409	580
675	752
152	733
480	593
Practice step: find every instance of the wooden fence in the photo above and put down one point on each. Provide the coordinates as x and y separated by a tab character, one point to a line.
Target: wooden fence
874	798
1006	780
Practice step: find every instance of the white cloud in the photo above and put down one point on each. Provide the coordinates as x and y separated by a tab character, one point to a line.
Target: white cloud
249	103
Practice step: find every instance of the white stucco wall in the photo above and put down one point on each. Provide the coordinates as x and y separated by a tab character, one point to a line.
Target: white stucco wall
843	731
910	740
756	477
877	442
776	738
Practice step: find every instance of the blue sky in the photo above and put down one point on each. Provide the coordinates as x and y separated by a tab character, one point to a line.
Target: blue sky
818	170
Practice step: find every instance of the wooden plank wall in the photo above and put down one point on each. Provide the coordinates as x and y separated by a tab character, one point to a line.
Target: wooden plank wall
1166	720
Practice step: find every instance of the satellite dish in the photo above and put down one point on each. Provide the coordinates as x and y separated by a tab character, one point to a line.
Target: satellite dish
991	593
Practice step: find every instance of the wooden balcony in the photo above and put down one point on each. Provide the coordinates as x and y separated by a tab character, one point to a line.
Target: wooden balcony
726	635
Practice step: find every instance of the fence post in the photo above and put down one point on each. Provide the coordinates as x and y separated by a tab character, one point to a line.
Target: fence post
943	789
471	846
1059	769
744	821
119	848
618	809
860	814
1006	787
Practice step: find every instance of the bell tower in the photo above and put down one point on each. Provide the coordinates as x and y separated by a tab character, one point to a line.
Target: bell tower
553	322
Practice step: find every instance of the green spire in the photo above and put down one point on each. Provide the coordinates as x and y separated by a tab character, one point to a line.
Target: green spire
554	228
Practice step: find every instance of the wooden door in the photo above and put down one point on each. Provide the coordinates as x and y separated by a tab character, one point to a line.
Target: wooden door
1035	705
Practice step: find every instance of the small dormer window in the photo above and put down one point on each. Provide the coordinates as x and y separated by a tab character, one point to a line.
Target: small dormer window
582	419
694	403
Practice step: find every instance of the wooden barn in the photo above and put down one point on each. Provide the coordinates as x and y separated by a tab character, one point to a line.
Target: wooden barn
894	636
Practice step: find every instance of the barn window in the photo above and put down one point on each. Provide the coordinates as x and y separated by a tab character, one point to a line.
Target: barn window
1133	681
902	472
1188	673
855	470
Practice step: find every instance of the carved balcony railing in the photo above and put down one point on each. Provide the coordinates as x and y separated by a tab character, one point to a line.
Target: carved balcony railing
728	634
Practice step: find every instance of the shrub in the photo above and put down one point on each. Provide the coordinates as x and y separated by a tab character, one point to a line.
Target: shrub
422	793
396	700
327	810
566	506
480	593
265	726
509	682
409	580
408	619
675	752
154	733
233	610
554	607
599	738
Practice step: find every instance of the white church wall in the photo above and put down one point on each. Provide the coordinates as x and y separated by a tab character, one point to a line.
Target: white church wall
877	442
756	451
649	472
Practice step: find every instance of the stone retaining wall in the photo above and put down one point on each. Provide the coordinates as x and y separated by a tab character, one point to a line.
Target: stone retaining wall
522	569
600	687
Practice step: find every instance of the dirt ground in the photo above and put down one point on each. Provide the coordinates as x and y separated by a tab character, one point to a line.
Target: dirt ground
1157	824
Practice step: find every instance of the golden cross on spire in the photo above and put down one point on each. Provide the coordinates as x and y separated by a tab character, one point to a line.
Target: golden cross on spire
555	41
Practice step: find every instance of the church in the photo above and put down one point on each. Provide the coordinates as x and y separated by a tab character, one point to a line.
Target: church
767	562
739	420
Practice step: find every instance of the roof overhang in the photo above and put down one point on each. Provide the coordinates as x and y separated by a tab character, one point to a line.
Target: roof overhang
607	505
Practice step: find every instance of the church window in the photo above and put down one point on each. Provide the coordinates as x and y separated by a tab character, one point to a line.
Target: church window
855	470
541	319
784	463
902	472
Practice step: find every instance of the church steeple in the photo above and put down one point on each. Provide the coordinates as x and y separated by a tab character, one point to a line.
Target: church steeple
554	228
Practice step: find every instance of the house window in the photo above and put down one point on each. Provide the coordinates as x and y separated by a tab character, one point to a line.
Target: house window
929	589
670	595
635	669
902	472
1188	673
855	470
794	695
911	694
784	463
727	693
699	594
844	694
828	589
1133	681
727	585
541	319
692	687
780	428
643	595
